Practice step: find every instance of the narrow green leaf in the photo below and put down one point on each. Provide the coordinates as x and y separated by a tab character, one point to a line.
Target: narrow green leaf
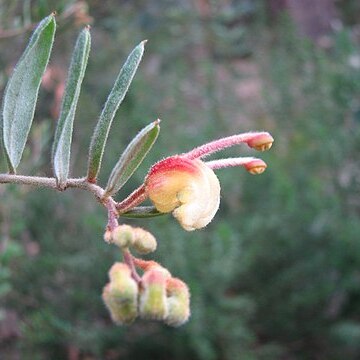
132	157
63	134
22	91
142	212
112	104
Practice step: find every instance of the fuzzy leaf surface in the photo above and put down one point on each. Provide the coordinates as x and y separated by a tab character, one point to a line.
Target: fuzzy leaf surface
22	91
132	157
63	134
116	96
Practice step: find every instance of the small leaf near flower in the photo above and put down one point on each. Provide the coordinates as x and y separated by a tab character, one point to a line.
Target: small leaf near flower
112	104
132	157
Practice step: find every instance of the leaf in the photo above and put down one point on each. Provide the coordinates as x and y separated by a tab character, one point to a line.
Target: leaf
132	157
22	91
63	134
116	96
142	212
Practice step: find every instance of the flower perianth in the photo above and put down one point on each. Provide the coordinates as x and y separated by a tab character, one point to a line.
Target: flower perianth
253	165
187	188
257	140
120	294
152	299
178	301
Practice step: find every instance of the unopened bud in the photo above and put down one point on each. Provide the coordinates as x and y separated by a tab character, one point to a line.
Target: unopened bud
120	295
256	166
144	242
178	302
261	142
153	304
123	236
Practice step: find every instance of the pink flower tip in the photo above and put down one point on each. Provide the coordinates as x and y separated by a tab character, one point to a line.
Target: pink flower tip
261	142
255	167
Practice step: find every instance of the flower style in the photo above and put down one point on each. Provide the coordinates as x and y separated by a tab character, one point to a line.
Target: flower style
188	187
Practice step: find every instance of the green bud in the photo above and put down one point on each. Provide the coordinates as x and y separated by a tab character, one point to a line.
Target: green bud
178	302
123	236
121	294
153	303
145	242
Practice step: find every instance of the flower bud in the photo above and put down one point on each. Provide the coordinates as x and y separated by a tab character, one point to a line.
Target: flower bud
153	304
178	302
123	236
120	295
144	242
261	142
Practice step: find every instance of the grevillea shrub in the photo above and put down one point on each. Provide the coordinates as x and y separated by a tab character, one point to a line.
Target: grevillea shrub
184	185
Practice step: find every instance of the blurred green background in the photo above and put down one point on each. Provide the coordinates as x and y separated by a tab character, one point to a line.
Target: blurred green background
276	275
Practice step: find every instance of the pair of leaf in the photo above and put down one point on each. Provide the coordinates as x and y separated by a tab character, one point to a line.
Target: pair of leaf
20	100
63	134
22	91
138	147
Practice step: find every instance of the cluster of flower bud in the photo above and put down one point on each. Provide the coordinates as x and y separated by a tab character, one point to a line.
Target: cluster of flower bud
126	236
158	296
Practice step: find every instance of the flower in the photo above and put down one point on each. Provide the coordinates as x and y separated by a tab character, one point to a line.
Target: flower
188	187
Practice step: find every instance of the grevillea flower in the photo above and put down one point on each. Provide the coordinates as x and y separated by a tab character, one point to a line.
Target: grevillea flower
188	187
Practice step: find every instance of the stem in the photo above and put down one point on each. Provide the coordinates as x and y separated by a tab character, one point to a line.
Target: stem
134	199
79	183
138	196
112	215
129	260
145	264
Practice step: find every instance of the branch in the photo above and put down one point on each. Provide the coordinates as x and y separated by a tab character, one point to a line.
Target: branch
47	182
82	183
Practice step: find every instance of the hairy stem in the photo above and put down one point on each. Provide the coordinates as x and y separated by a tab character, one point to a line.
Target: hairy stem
78	183
129	260
96	190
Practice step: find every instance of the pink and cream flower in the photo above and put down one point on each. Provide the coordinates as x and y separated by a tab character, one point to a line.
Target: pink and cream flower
187	186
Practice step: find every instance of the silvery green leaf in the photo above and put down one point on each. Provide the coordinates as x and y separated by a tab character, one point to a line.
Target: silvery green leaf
22	91
132	157
63	134
116	96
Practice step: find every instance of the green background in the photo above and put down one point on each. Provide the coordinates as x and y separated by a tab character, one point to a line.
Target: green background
276	275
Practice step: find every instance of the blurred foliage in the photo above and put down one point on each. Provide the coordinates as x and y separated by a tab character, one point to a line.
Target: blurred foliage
276	275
